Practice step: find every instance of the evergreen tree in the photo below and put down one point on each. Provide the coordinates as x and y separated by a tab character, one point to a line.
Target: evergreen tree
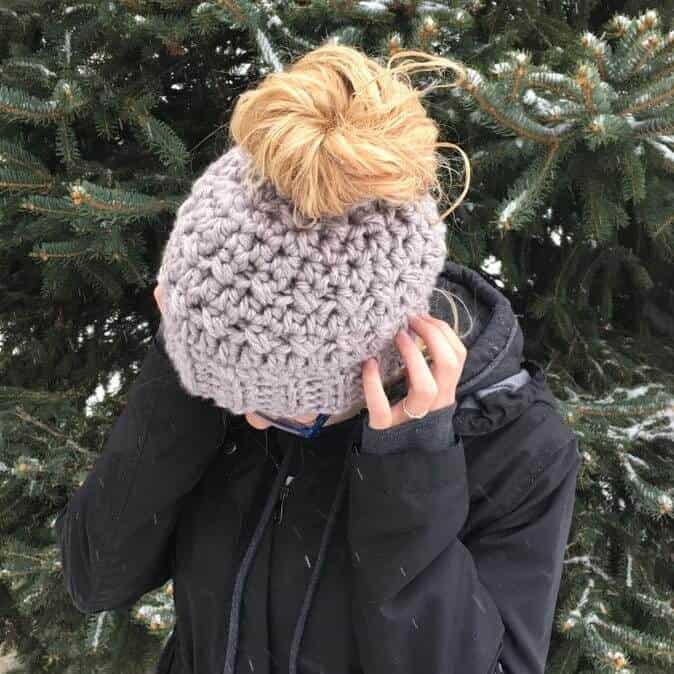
585	218
109	111
615	611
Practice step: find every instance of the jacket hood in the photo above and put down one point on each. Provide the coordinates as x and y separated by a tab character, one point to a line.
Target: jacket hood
487	326
496	384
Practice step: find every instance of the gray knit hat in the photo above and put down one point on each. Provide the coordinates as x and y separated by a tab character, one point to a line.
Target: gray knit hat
260	314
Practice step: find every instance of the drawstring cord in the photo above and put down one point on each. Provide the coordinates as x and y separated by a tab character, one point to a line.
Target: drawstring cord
309	595
233	636
279	481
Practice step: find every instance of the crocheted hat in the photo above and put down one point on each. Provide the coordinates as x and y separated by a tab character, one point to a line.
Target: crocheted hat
260	314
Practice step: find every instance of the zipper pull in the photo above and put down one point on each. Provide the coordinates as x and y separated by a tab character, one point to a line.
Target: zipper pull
285	490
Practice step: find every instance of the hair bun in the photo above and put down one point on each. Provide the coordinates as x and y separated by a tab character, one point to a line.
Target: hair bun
337	128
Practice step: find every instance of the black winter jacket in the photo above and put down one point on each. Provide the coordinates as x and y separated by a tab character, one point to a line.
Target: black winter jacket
433	547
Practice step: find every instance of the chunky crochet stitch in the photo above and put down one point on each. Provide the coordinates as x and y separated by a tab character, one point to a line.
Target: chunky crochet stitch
260	314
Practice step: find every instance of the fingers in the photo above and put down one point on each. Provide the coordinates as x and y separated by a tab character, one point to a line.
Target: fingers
447	359
376	400
430	386
455	341
422	389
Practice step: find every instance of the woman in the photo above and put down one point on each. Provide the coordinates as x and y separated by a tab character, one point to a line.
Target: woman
317	510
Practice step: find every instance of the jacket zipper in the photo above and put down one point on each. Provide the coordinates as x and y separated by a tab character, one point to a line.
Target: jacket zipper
285	490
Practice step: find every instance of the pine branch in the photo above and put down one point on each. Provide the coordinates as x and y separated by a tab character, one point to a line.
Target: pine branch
25	416
658	648
279	24
493	154
549	112
252	17
130	261
158	137
122	203
65	251
587	78
664	153
662	227
171	30
657	608
604	653
66	144
267	50
14	155
662	233
104	280
631	34
658	71
604	129
649	97
597	50
556	83
12	180
652	500
507	115
19	106
602	216
634	176
32	68
58	208
527	192
512	73
664	123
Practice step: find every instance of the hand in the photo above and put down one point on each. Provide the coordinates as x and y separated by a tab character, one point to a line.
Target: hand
158	297
427	389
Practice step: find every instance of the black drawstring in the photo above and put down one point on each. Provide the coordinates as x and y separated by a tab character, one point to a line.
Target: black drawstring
309	595
237	595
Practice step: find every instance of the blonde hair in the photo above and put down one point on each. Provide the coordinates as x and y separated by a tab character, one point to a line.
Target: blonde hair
336	128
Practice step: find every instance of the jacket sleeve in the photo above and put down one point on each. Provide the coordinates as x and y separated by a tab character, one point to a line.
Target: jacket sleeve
423	599
116	532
